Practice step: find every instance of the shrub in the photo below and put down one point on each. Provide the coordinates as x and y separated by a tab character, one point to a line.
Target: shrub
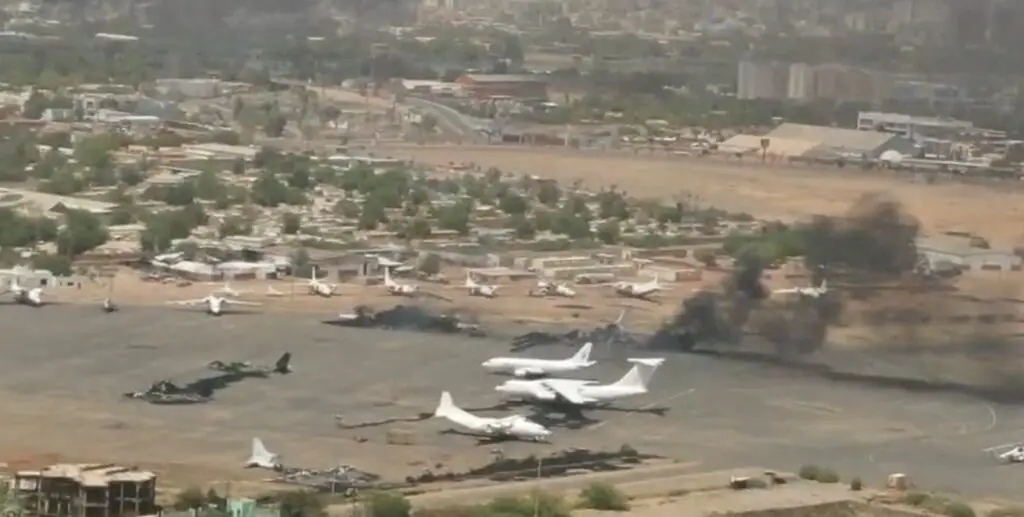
387	504
602	496
189	498
1012	511
828	476
547	505
856	484
810	472
915	498
958	509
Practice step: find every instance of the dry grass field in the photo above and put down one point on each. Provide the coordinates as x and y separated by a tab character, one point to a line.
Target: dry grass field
778	191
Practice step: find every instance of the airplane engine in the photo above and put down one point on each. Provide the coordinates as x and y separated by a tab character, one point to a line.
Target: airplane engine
524	373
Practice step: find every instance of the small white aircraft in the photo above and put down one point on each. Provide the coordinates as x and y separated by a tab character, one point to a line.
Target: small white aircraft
262	458
214	305
274	293
387	263
527	367
640	290
813	292
515	426
547	288
398	289
320	288
484	290
24	295
584	393
1009	453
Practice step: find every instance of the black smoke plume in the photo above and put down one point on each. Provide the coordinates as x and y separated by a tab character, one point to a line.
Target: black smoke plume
876	239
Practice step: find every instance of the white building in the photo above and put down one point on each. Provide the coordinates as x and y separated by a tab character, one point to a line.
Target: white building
762	80
910	126
801	82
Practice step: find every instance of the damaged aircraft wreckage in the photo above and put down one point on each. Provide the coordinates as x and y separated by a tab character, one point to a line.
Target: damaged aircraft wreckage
407	317
165	392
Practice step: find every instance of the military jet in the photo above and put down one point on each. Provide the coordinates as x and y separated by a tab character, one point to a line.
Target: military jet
282	366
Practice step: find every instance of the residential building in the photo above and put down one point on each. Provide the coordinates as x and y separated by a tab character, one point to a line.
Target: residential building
762	80
910	126
491	86
801	82
86	490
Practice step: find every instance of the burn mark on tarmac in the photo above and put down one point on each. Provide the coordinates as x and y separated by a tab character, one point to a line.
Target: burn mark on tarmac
818	408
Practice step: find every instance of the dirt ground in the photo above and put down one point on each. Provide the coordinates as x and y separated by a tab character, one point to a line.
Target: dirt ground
764	190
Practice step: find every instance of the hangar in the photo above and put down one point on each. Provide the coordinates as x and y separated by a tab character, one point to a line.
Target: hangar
805	141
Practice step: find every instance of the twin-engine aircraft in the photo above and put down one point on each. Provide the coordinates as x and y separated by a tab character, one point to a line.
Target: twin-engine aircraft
528	367
584	392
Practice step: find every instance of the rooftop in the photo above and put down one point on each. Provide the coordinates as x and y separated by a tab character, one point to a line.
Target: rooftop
880	116
46	202
833	137
92	474
505	78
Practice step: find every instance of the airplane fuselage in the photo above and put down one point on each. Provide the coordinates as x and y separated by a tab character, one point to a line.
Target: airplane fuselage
533	390
536	366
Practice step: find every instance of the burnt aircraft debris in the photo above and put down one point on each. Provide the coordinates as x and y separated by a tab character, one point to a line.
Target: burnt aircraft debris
562	463
610	333
165	392
282	366
342	479
408	317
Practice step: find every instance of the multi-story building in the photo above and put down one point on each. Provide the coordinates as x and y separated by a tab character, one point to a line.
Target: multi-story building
762	80
73	490
801	82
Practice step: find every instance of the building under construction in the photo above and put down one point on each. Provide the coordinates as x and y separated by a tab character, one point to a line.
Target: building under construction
87	490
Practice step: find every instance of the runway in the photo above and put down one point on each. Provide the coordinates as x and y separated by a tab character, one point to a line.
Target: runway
63	370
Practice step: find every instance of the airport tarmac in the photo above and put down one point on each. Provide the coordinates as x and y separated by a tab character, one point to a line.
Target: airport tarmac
65	367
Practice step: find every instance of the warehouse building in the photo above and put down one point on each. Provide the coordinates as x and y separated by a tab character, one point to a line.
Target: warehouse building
851	144
495	86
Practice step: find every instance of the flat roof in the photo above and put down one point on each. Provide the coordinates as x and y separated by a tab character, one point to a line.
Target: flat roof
833	137
505	78
91	474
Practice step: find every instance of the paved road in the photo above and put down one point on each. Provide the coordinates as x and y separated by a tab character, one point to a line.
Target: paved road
64	368
450	120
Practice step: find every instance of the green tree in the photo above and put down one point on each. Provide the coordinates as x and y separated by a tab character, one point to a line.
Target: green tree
609	231
130	175
59	265
524	227
387	504
300	179
268	190
456	217
347	208
82	232
208	185
417	228
372	215
181	194
274	128
290	223
571	225
234	226
513	204
300	503
549	194
238	167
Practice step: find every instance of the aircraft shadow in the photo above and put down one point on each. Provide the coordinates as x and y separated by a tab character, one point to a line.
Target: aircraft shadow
566	416
377	423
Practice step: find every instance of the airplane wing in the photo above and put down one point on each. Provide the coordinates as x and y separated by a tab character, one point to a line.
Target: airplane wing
240	302
568	393
188	302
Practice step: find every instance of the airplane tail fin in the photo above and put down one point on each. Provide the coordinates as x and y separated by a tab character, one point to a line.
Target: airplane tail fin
446	408
260	455
283	364
583	355
639	377
824	285
622	316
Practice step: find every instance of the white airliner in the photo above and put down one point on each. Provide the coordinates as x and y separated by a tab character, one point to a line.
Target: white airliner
529	367
813	292
24	295
320	288
484	290
584	393
638	290
213	304
396	288
262	458
515	426
555	289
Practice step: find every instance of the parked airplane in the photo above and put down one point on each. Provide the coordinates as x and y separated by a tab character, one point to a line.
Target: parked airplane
320	288
526	367
282	366
214	305
813	292
387	263
262	458
515	426
475	289
109	306
25	295
1008	453
547	288
273	292
641	290
398	289
584	393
